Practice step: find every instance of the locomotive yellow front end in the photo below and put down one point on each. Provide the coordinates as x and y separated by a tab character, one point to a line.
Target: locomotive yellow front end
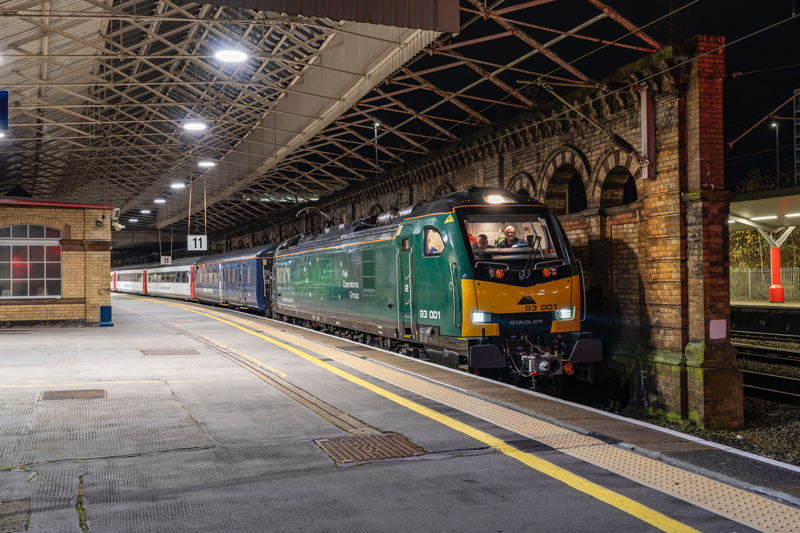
524	301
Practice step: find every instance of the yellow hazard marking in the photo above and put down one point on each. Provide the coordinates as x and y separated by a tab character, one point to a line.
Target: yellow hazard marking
623	503
449	219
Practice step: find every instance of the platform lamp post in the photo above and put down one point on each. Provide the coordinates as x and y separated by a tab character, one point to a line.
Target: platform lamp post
777	157
3	113
376	141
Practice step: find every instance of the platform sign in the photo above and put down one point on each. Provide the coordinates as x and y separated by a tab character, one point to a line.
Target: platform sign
197	243
3	110
166	259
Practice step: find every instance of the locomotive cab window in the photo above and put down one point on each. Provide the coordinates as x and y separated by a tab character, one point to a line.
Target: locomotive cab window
517	240
434	244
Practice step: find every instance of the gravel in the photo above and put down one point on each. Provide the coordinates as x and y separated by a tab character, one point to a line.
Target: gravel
770	429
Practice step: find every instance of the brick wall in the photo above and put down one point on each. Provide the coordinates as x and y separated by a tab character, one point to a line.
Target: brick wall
85	267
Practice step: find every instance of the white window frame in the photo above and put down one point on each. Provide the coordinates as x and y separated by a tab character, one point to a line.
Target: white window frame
28	242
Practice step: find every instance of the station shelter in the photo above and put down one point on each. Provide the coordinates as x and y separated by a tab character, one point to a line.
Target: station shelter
54	263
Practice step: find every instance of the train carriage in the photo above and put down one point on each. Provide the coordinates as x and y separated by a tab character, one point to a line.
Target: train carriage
241	278
130	280
175	280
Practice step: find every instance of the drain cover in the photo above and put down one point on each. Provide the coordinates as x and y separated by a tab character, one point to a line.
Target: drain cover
173	351
73	394
369	448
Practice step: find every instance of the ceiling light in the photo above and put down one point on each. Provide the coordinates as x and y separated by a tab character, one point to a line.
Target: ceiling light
160	201
194	125
231	56
206	164
793	215
774	124
178	185
2	134
731	221
122	227
132	220
764	218
145	211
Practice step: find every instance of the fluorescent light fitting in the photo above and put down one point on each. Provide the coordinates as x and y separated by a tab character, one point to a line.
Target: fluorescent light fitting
145	211
774	124
793	215
764	218
132	220
206	164
160	201
231	56
2	134
731	221
194	125
178	185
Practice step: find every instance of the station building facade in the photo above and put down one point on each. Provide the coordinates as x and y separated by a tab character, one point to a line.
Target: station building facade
54	262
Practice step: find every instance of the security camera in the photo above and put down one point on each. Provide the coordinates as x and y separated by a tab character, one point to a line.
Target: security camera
117	226
99	222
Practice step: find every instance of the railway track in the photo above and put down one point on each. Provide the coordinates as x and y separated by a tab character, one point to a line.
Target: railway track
764	385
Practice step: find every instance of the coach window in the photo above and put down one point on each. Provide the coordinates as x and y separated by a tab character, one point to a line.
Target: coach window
30	262
434	245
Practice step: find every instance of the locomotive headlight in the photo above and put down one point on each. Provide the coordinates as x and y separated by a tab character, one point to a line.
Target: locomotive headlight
567	313
479	317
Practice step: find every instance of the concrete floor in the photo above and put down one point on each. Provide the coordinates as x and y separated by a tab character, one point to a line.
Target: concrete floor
198	443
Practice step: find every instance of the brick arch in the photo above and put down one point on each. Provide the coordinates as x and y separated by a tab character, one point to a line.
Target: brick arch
556	174
66	229
611	173
522	181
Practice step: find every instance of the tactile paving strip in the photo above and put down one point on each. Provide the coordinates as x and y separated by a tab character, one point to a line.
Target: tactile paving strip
172	351
73	394
734	503
369	448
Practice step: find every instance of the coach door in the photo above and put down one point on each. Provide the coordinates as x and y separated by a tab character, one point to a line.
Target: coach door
405	283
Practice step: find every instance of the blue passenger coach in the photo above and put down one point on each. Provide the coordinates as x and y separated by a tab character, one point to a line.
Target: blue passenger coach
242	278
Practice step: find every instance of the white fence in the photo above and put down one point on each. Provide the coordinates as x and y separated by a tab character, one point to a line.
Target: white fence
753	284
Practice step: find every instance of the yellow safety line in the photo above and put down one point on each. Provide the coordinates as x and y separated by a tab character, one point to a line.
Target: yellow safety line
623	503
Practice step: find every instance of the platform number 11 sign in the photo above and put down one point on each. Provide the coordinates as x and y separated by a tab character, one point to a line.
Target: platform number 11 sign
197	243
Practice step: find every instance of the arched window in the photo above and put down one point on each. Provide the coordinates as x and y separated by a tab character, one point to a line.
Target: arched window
30	262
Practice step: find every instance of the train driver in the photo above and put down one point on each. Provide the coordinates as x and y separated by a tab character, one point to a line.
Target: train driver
511	238
482	244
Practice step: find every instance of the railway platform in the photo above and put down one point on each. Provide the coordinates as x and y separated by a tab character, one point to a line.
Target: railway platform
190	418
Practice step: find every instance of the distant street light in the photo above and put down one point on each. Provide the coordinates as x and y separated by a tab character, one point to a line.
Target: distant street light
376	141
777	159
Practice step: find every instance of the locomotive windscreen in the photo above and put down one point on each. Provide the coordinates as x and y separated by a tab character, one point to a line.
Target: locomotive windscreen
512	239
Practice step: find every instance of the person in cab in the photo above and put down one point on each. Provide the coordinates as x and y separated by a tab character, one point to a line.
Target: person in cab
511	239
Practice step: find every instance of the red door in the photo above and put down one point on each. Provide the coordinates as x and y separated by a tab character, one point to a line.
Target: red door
191	282
144	282
114	280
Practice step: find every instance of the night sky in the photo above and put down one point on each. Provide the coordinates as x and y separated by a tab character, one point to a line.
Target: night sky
749	97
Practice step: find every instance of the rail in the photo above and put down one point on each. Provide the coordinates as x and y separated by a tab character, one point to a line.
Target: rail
768	382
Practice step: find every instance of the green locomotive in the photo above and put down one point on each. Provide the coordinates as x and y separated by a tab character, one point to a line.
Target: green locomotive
480	279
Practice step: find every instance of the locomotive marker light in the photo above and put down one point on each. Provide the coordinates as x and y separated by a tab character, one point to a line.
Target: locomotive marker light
197	243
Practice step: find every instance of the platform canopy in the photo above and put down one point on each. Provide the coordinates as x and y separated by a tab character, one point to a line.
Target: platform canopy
332	93
770	211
